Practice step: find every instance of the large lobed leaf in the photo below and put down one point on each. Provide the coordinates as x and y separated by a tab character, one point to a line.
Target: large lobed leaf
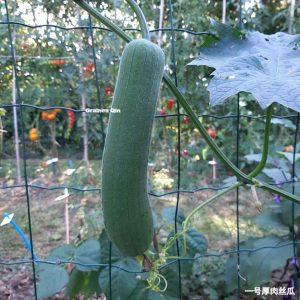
268	66
257	266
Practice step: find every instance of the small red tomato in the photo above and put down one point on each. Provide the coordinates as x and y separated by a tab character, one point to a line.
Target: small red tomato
177	153
185	152
170	103
163	112
90	68
57	62
71	118
108	91
186	120
212	133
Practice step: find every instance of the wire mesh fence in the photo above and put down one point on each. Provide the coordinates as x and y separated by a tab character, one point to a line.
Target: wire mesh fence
22	108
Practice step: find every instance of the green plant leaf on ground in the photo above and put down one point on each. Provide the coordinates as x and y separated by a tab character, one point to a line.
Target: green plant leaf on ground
168	215
51	279
171	274
265	65
83	282
196	243
87	253
122	283
105	245
269	219
256	266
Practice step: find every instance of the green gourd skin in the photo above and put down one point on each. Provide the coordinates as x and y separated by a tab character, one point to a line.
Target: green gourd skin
127	213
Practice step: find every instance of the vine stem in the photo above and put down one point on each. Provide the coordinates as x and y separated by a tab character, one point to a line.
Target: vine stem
264	158
206	202
192	213
141	18
247	179
92	11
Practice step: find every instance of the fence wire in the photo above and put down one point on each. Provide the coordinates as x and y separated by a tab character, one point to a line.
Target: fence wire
178	191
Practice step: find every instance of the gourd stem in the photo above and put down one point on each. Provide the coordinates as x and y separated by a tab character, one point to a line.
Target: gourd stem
239	174
264	158
116	29
141	18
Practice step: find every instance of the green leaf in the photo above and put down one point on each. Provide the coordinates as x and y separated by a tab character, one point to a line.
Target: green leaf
286	212
171	275
277	175
122	283
284	122
268	219
105	245
196	243
142	291
253	157
289	156
168	215
83	282
263	262
265	65
256	266
65	253
51	280
87	253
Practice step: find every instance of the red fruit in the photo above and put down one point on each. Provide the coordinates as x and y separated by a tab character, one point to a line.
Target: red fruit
186	120
170	103
108	91
57	62
163	112
212	133
185	152
54	62
90	67
181	154
71	119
